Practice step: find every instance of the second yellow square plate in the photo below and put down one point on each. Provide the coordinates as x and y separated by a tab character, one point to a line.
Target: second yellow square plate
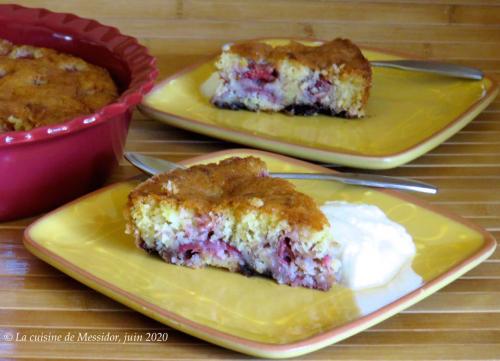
253	315
408	114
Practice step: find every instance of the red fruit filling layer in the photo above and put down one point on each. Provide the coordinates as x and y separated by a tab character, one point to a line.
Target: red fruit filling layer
320	88
261	72
217	249
285	266
292	269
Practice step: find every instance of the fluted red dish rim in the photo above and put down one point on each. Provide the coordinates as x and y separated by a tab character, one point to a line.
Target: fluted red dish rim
141	64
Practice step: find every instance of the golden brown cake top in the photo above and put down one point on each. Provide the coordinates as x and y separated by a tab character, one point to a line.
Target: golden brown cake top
239	183
338	51
40	86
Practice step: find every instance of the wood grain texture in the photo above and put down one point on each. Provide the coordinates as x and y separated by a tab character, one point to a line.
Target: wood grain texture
460	322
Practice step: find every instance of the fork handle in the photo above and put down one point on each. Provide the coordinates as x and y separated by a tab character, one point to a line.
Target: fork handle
435	67
369	180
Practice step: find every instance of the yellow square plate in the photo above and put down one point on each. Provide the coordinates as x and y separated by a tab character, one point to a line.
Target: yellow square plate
408	114
253	315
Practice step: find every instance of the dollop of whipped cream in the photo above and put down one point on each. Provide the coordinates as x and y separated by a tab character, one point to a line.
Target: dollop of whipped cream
374	248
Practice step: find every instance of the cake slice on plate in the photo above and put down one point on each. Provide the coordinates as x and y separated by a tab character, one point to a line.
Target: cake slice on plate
333	78
233	215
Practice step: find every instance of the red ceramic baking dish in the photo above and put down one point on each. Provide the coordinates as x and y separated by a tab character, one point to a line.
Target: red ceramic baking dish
47	166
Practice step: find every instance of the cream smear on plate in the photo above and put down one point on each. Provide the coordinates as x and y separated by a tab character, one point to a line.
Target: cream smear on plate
374	249
209	87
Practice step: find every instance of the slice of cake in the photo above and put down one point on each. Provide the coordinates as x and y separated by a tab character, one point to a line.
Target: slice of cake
233	215
333	78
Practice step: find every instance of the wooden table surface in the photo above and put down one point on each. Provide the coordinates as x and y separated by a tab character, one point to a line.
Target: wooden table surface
460	322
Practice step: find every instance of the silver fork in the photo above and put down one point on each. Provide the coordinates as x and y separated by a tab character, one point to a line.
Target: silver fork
152	166
435	67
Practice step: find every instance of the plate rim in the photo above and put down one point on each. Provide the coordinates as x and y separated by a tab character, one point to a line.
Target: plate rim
252	347
340	156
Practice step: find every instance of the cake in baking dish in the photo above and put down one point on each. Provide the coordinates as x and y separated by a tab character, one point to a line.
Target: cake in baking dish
233	215
40	86
333	78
